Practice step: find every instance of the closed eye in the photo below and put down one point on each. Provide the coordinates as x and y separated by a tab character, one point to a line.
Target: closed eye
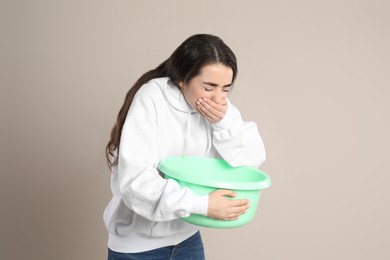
208	86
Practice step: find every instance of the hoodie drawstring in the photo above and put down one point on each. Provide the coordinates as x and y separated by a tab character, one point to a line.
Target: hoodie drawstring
209	139
187	138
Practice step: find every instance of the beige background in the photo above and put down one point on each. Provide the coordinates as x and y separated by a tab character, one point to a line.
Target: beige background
314	75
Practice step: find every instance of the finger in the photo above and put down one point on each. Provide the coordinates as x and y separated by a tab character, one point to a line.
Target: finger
205	113
213	107
217	106
239	210
232	218
202	110
214	110
239	203
209	112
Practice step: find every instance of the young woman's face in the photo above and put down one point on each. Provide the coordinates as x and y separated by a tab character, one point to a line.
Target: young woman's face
214	83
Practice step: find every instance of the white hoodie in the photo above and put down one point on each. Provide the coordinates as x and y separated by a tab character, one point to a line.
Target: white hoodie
145	208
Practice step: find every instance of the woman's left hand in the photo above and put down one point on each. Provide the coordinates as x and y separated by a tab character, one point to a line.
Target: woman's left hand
212	111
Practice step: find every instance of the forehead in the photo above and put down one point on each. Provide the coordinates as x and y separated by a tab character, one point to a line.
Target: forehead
216	73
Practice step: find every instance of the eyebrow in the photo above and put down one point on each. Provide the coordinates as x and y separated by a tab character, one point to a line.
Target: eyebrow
216	85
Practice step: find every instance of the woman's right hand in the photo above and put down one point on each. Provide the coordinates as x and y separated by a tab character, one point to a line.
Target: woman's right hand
223	208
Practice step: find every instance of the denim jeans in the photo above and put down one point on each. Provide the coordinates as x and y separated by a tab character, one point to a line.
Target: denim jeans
189	249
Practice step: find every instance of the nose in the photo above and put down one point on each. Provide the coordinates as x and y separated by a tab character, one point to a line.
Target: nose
217	97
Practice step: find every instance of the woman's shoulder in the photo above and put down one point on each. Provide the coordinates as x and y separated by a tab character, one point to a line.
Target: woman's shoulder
153	89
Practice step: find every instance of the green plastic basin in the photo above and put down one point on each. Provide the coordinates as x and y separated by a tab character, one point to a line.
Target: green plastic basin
203	175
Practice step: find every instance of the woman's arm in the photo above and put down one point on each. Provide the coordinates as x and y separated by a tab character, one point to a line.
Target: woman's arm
143	189
237	141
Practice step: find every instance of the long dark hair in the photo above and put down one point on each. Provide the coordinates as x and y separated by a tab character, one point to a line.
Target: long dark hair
184	64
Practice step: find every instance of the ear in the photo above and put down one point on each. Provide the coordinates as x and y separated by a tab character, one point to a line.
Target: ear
181	84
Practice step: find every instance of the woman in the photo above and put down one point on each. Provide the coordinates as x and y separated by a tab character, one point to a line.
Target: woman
179	108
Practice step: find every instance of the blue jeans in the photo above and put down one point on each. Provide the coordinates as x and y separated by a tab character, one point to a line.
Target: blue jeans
189	249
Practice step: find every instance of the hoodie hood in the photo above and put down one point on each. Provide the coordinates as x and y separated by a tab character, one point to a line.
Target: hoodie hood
175	97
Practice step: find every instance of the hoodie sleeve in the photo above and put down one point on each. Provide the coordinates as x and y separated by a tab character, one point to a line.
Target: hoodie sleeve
237	141
142	188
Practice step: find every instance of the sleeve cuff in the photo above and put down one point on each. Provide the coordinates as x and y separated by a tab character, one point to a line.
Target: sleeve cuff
200	205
